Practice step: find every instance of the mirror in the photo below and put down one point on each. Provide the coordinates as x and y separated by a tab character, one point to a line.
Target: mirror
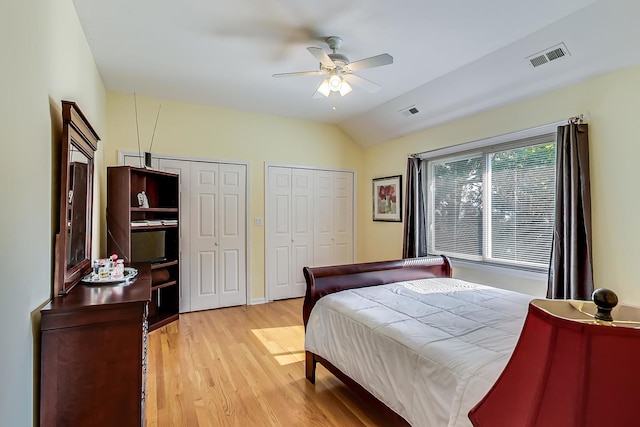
73	241
77	221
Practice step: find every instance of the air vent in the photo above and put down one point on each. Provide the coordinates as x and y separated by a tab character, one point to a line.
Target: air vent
555	54
409	111
551	54
539	60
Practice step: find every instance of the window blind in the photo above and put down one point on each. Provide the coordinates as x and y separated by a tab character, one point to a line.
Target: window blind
495	204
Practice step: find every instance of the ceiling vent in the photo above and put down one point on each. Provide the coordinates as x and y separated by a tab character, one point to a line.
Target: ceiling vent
551	54
409	111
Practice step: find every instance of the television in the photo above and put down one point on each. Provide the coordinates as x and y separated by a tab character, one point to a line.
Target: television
148	246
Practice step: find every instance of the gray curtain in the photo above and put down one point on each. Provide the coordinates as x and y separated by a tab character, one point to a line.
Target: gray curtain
570	270
415	214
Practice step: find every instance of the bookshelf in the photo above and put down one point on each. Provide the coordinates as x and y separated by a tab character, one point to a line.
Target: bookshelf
150	234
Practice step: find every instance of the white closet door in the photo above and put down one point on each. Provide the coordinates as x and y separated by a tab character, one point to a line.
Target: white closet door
343	217
309	222
324	221
278	233
204	241
183	169
232	235
289	230
302	218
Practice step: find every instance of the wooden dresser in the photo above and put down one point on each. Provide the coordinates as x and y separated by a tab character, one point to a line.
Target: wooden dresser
93	355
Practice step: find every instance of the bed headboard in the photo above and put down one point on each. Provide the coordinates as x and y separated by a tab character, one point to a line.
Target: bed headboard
322	281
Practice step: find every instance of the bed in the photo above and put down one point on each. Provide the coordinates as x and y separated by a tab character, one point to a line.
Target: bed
418	346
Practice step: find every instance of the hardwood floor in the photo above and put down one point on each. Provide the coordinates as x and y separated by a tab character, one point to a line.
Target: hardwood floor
242	366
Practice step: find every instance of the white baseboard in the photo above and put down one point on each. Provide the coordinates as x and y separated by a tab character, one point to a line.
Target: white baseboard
258	301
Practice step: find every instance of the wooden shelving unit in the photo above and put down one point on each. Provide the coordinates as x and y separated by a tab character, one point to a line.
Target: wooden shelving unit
157	243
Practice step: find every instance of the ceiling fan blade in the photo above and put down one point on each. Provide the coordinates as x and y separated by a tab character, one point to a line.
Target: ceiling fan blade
374	61
363	83
299	73
321	56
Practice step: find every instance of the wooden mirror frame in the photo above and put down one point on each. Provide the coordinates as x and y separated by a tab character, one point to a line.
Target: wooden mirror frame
78	135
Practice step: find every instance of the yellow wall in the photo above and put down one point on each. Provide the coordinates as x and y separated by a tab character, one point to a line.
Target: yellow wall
214	133
612	100
45	58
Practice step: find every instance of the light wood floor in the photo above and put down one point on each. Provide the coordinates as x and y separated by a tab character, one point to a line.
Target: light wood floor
242	366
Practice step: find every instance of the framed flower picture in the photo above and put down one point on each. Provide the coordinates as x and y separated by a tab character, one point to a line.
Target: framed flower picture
387	198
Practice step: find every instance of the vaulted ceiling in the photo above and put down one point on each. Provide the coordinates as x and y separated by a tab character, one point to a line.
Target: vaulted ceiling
450	58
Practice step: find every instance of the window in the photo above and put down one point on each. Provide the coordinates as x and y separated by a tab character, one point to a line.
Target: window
494	204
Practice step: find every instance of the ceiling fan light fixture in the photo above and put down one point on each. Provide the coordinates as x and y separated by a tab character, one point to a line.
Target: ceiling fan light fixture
345	88
335	82
324	88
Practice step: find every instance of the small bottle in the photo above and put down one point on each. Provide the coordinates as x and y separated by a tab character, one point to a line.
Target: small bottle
103	272
118	270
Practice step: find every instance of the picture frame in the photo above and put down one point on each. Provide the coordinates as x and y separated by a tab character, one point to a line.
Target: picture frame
387	198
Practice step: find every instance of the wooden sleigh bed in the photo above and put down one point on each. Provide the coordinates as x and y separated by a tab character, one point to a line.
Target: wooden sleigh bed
397	363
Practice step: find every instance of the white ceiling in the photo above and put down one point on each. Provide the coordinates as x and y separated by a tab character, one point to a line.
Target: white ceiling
451	57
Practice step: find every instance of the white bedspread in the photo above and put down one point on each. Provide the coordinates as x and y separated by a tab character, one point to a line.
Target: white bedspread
429	349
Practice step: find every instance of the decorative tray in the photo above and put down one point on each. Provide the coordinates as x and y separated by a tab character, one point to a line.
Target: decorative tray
94	279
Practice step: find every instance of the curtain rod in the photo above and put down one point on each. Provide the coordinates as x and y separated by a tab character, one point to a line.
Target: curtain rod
580	118
574	119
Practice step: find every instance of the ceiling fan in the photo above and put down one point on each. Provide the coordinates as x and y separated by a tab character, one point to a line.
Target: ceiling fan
339	70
